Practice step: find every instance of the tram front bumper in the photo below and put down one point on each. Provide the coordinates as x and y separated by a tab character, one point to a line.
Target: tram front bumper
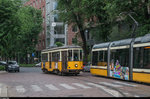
74	71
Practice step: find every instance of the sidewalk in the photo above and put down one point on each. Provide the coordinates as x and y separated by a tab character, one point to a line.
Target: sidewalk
2	72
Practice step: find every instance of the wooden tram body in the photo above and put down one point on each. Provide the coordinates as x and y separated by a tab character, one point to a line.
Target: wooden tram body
62	60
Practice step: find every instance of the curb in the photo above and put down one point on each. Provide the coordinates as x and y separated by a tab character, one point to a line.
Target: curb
2	72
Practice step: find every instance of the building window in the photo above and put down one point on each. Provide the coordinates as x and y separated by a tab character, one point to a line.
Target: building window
39	2
74	28
43	9
55	5
36	3
59	29
62	40
56	18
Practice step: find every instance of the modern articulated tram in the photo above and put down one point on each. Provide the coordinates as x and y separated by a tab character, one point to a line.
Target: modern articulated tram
127	59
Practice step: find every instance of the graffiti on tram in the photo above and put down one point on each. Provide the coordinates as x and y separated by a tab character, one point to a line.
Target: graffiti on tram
118	71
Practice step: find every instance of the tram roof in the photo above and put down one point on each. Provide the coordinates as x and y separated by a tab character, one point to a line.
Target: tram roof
142	39
62	47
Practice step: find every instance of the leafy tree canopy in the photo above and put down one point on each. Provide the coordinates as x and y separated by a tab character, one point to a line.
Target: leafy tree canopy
19	28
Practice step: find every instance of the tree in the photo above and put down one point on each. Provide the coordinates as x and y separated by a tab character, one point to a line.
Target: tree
98	19
71	12
9	26
19	28
87	15
140	7
59	44
30	26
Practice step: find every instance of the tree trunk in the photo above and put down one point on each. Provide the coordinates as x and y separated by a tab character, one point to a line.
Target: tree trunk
81	29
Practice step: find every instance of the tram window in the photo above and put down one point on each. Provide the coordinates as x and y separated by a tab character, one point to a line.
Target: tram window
53	57
50	57
120	55
45	57
76	55
56	56
95	58
70	55
102	55
141	58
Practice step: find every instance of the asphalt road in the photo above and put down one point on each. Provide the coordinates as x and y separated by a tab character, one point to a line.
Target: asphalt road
32	82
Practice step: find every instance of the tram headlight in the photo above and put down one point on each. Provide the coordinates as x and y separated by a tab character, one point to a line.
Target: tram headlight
76	65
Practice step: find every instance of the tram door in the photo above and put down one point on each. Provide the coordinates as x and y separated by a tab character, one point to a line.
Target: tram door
50	60
64	60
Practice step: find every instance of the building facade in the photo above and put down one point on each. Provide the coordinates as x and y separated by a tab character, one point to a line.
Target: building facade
39	4
53	29
56	31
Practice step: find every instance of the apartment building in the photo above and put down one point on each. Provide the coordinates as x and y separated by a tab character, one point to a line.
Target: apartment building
56	31
53	29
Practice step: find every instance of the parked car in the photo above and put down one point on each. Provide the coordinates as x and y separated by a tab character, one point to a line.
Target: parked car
86	67
12	66
38	64
3	63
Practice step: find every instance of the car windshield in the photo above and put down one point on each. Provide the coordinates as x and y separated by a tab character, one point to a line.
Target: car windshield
12	62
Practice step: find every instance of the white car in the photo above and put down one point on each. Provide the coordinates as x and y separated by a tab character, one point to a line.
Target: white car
38	64
3	63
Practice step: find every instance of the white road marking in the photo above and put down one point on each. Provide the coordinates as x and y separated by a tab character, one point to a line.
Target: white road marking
20	89
52	87
136	96
3	92
109	84
67	86
96	85
36	88
81	85
125	84
110	91
0	91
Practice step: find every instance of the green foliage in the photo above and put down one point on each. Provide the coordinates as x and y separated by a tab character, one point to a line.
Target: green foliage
59	44
140	7
19	28
71	11
2	68
30	27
